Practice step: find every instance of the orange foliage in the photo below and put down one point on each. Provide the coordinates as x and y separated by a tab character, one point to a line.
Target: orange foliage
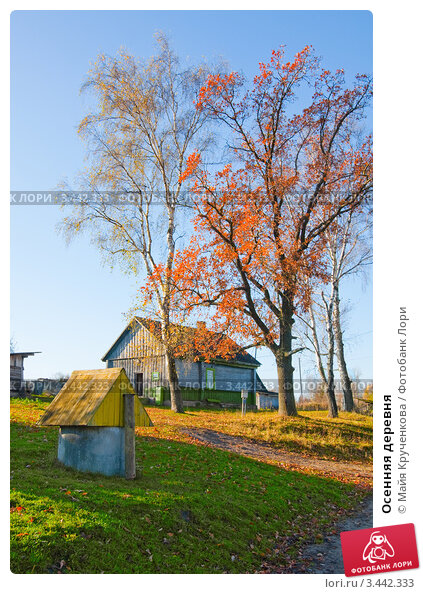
260	228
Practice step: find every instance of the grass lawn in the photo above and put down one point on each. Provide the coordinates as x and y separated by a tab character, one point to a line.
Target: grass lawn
349	437
192	509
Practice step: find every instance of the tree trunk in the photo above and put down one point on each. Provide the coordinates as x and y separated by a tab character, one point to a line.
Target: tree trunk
347	401
175	391
176	403
330	386
328	375
285	370
330	395
287	406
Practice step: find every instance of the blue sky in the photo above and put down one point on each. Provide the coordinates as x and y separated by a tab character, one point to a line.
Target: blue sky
63	301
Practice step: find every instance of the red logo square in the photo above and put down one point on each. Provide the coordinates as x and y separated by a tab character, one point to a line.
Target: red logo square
376	550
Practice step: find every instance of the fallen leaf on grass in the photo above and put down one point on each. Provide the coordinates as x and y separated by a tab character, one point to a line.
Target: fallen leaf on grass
18	510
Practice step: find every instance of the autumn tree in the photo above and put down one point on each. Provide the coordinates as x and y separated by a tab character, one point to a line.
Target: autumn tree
139	134
323	344
260	223
348	252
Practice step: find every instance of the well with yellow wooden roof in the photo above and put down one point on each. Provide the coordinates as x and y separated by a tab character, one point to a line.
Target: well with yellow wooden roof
90	410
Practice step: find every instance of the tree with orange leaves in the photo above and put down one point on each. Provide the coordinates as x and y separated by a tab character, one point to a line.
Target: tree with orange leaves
260	226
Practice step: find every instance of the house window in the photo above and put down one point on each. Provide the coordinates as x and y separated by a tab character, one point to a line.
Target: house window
210	383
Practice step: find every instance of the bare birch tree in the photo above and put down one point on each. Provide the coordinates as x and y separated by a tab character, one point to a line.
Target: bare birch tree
323	345
139	135
349	252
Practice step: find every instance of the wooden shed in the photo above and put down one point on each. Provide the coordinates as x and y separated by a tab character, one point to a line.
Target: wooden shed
17	383
96	425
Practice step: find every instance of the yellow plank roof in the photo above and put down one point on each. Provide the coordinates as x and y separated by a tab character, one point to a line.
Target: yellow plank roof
89	392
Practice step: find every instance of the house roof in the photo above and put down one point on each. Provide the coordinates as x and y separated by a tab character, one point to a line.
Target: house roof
186	338
25	353
94	398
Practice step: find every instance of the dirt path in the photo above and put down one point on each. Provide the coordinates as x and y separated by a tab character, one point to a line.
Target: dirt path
326	557
253	449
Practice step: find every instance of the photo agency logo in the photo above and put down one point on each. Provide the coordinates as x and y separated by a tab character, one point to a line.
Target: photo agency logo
378	550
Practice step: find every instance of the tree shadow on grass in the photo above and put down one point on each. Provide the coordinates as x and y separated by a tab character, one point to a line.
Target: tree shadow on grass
190	510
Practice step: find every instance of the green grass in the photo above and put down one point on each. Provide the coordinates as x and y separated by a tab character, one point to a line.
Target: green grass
349	437
191	509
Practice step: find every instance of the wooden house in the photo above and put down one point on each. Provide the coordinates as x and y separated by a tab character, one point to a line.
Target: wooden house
17	382
90	411
139	350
